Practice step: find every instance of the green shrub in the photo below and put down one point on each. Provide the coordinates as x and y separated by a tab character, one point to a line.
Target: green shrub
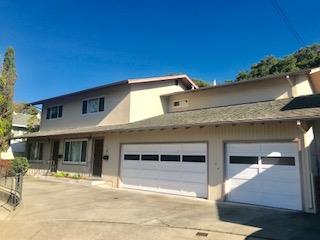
76	176
60	174
19	165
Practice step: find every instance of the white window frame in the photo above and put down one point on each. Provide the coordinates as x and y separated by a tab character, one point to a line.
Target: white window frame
52	106
35	160
64	151
92	98
186	101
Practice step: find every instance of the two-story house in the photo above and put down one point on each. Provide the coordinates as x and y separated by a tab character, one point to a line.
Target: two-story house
252	141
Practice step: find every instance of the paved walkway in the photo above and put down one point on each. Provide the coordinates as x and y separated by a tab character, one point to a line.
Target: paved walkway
52	210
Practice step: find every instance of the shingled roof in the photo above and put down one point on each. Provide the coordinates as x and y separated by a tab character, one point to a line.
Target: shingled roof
300	108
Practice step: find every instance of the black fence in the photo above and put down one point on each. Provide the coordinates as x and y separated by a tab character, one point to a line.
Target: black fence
10	188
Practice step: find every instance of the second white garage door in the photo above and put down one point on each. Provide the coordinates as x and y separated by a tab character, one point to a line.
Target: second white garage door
264	173
175	168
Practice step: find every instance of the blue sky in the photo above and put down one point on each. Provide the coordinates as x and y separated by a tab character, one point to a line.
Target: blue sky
64	46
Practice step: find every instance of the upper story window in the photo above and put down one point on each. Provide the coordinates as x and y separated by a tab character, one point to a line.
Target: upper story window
54	112
93	105
181	103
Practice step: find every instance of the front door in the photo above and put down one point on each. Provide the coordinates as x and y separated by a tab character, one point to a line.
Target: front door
55	156
97	157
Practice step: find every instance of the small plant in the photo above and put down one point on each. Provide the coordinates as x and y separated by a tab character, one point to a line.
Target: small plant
76	176
19	165
60	174
66	175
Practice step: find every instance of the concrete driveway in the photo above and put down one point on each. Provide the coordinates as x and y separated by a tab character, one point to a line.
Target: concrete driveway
52	210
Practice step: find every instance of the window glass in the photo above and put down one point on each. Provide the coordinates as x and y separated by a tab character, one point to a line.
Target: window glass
150	157
194	158
101	104
243	159
170	158
289	161
54	112
131	157
35	150
93	105
75	151
59	111
84	107
84	151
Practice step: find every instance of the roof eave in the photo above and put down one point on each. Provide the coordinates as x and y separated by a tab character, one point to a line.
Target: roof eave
79	92
252	80
162	127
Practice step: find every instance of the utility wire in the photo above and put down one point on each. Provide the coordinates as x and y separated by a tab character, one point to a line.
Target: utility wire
286	20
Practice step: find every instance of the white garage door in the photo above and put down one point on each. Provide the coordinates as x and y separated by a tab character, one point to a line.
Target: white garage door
178	168
264	174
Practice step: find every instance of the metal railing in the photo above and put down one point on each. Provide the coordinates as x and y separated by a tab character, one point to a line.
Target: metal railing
10	187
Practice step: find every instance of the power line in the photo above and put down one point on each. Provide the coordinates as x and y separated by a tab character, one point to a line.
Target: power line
286	20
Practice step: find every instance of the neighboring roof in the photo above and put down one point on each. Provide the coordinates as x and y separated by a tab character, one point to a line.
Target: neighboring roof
277	110
20	119
186	80
251	80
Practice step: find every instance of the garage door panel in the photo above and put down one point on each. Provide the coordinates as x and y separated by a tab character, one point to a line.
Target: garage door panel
242	171
282	148
281	188
281	201
193	177
274	181
185	167
140	173
191	148
177	177
138	182
170	148
243	149
239	195
243	185
281	174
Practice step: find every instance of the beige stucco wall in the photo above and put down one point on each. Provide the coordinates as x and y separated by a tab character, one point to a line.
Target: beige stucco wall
117	105
145	100
301	86
216	138
243	93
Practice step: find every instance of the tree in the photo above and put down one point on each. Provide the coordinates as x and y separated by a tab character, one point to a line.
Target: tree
243	75
263	67
201	83
25	109
33	123
8	79
307	57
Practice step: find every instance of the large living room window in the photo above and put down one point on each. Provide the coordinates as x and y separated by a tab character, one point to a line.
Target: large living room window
34	151
93	105
54	112
75	151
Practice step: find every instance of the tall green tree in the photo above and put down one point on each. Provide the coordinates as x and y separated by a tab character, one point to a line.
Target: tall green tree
201	83
8	78
304	58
